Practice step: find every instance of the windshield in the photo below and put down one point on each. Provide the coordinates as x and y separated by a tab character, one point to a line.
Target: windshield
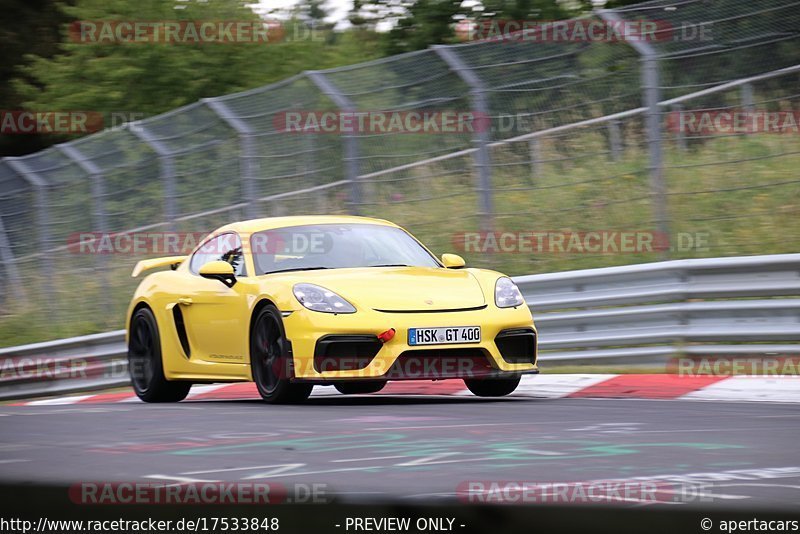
336	246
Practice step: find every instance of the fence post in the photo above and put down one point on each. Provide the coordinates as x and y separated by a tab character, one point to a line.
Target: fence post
310	148
651	98
746	93
351	161
482	134
248	159
615	140
535	153
747	97
99	218
167	165
9	185
677	110
40	186
14	282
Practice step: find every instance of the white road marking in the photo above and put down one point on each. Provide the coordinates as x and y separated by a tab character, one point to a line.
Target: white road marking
59	400
325	471
556	386
790	486
703	494
750	388
280	469
178	479
277	468
360	493
438	426
680	430
369	459
206	388
608	427
428	460
535	451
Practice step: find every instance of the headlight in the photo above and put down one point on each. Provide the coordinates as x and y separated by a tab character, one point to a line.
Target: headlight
507	294
320	299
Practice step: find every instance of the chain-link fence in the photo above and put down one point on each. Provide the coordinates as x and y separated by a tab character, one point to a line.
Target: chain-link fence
575	141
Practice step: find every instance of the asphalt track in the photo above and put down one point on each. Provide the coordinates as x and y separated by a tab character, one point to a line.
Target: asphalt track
418	448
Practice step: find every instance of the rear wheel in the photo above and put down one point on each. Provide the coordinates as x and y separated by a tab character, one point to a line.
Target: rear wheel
492	387
145	364
270	361
361	387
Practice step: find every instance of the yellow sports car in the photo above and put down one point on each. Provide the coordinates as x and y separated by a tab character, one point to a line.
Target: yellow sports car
290	302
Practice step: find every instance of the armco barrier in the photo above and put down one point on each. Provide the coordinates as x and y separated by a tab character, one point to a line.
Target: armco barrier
640	314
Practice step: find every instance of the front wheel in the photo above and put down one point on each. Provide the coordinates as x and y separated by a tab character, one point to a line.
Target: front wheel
492	387
270	360
361	387
145	364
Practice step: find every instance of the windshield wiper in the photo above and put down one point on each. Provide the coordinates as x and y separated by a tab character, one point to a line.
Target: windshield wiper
391	265
297	269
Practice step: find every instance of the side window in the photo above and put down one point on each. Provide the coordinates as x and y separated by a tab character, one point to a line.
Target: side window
225	247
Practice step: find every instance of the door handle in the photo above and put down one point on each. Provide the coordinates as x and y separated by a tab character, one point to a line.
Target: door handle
186	301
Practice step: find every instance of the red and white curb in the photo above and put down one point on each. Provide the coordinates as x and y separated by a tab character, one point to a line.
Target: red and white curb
663	386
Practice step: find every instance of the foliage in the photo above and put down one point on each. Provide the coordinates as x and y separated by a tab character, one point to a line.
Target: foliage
144	79
26	27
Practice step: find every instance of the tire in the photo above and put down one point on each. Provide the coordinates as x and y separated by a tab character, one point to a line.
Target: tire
270	361
146	365
361	387
492	387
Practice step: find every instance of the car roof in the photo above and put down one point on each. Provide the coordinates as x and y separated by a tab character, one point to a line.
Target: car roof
271	223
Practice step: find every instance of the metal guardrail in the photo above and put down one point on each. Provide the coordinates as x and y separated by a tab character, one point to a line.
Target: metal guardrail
644	314
640	314
84	363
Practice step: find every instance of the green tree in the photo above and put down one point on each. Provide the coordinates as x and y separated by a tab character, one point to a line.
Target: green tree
151	78
427	22
421	23
544	10
26	26
314	10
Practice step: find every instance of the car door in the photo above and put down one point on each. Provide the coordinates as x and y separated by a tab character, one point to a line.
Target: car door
215	316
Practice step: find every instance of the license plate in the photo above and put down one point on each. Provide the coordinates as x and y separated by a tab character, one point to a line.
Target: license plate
444	335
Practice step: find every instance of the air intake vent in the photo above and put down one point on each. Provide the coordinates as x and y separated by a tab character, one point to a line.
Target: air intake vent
180	328
517	345
345	352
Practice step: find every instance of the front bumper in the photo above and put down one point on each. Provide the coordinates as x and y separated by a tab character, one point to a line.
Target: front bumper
308	331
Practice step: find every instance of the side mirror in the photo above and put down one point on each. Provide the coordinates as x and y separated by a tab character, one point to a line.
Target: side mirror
219	270
452	261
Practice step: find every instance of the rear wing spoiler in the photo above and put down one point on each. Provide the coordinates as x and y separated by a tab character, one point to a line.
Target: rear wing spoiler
155	263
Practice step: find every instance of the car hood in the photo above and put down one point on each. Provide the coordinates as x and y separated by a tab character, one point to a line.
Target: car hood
398	288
